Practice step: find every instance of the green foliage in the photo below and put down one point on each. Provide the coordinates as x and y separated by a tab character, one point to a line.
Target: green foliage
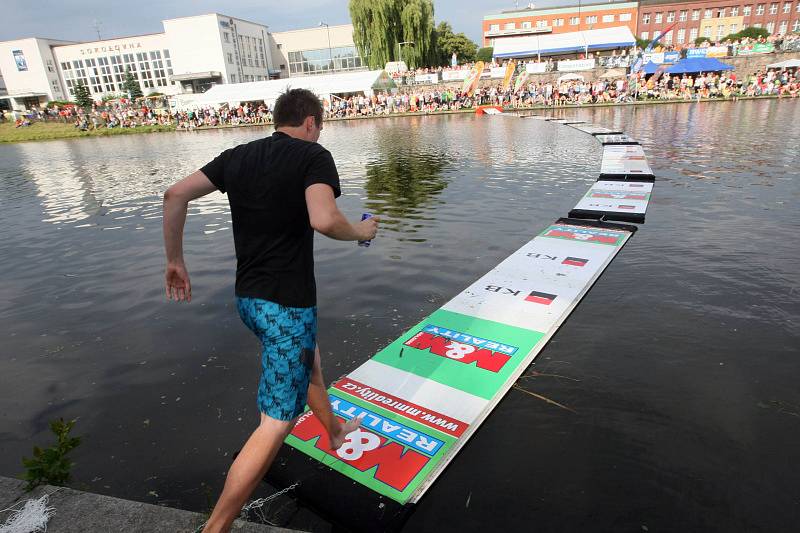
59	103
448	42
485	54
701	40
112	96
379	25
131	85
51	465
643	43
82	95
752	32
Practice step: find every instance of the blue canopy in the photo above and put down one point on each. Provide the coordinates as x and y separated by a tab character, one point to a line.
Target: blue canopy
698	64
690	64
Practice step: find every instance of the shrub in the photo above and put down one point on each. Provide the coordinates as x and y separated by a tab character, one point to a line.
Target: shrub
51	465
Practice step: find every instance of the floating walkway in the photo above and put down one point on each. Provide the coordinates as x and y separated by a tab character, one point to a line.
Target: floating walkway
425	394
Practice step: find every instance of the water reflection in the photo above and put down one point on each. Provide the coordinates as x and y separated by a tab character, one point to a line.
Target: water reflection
698	384
404	183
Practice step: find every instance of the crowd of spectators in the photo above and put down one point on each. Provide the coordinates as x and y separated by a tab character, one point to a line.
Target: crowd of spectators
432	98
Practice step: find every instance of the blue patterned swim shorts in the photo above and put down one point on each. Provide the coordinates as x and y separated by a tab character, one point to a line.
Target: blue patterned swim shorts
288	337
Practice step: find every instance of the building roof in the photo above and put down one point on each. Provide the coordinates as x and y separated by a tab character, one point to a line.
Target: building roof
527	12
602	39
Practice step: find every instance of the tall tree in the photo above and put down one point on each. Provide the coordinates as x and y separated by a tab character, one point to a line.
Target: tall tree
416	19
82	95
380	25
131	85
448	42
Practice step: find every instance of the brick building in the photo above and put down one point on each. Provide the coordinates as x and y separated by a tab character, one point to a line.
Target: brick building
531	21
714	18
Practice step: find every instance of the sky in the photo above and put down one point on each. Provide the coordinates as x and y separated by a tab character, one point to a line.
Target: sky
74	20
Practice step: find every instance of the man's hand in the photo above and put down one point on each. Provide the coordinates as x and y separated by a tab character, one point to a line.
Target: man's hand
177	283
367	228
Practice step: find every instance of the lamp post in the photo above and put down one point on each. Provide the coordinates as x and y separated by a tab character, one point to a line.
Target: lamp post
330	53
398	47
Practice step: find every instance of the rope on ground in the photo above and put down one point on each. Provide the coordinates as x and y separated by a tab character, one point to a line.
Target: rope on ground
32	517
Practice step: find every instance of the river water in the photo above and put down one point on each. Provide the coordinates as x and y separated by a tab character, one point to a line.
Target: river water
680	368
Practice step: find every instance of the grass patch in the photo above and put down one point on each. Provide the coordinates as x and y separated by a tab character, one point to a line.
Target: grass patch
42	131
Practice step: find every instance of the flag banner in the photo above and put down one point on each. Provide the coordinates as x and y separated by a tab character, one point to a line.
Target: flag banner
425	394
509	72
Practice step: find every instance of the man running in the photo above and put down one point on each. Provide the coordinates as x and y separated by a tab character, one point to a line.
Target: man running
280	188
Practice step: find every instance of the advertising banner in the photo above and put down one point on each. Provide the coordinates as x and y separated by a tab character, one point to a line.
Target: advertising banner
576	64
497	72
510	68
426	78
755	48
536	68
19	59
654	57
671	57
717	51
696	52
455	75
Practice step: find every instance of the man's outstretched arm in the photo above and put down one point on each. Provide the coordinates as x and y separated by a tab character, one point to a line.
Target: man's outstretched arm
326	218
176	201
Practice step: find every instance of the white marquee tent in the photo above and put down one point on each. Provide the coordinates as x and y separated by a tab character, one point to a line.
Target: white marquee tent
323	86
789	63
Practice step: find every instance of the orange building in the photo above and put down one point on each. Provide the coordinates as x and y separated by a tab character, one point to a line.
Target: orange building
578	17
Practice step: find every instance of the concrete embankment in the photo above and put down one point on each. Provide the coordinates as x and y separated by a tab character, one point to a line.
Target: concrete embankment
83	512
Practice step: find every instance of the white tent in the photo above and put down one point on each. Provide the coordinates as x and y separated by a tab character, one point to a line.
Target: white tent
562	43
322	85
789	63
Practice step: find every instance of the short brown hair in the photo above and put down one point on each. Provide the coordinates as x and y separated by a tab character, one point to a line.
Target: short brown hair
293	106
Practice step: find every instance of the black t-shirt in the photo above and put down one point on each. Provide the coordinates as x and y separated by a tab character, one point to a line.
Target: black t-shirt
266	182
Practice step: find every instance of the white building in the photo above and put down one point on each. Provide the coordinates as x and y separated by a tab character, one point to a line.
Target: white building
30	72
320	50
101	65
190	56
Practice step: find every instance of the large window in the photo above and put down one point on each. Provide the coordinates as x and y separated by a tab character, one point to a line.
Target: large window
608	18
746	10
646	18
324	60
624	17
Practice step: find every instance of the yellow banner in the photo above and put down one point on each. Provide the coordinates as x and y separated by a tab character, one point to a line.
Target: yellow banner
472	80
510	68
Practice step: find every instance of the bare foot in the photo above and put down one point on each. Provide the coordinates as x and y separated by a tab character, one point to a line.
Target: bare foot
344	430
